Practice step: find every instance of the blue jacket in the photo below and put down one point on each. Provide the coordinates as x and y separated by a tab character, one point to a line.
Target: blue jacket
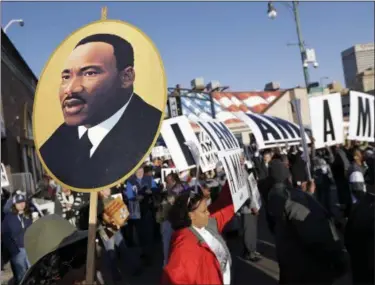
13	233
134	186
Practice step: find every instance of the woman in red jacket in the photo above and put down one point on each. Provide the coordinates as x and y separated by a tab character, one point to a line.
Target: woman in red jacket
198	253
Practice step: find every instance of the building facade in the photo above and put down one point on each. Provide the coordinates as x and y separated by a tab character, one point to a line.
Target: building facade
365	81
356	60
18	84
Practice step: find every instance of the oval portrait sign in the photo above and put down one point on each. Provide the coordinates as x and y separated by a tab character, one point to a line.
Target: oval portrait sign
99	105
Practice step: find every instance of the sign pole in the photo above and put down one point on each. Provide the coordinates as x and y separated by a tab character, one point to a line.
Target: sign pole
90	262
91	246
297	107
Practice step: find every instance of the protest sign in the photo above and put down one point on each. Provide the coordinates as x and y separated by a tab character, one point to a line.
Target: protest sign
362	117
270	131
254	192
236	176
176	133
326	120
158	151
97	132
209	155
229	153
4	177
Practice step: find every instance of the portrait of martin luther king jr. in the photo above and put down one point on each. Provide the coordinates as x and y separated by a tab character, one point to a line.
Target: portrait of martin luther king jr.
107	127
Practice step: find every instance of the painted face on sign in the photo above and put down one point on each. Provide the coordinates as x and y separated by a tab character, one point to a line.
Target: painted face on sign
91	85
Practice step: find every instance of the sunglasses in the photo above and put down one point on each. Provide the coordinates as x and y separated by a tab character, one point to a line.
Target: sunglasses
194	201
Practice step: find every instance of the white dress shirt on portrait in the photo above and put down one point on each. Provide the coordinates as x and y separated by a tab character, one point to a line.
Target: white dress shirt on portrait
98	133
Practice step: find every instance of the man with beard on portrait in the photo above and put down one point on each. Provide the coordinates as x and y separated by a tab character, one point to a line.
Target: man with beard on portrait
107	127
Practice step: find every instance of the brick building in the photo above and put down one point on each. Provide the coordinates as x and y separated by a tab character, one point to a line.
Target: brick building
18	85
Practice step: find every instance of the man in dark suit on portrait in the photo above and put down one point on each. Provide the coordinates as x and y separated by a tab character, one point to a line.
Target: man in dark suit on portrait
108	128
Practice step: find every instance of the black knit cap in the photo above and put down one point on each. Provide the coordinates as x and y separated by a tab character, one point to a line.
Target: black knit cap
277	171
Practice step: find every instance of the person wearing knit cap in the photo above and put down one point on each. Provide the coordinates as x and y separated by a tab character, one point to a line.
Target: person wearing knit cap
307	244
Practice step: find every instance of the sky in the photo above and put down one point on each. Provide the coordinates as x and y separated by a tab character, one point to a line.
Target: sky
232	42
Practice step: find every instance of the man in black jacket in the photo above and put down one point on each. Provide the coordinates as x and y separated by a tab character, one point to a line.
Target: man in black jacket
359	233
108	128
308	248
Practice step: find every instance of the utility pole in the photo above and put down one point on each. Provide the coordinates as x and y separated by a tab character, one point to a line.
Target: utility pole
301	43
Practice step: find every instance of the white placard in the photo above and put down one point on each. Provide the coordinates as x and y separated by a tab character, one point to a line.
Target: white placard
255	195
236	176
173	107
209	155
176	132
326	120
158	151
271	131
362	121
229	153
4	177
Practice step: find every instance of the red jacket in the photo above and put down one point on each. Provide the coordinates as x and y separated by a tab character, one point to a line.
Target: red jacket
192	262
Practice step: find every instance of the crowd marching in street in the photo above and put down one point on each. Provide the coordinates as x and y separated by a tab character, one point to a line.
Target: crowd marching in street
318	238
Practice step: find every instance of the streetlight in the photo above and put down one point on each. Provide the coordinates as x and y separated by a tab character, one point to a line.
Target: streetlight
272	13
19	21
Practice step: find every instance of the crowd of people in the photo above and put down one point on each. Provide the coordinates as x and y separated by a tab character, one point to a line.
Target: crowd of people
317	238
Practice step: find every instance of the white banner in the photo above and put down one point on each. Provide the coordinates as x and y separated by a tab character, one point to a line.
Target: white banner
4	177
236	176
327	123
362	113
209	156
176	132
220	135
271	131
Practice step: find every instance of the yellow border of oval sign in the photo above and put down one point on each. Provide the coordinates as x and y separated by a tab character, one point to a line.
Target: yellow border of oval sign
150	84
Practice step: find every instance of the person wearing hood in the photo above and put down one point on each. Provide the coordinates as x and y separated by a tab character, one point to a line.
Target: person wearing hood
359	232
308	248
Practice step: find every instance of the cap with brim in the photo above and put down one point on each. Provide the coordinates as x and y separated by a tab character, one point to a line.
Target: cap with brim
48	234
19	198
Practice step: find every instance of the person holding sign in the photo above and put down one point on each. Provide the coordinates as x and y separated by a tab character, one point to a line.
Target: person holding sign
104	119
198	253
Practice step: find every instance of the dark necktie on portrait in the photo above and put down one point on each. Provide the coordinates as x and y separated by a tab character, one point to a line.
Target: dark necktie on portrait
85	145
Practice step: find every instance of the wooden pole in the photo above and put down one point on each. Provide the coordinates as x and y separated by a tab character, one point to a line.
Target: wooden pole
104	13
91	246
